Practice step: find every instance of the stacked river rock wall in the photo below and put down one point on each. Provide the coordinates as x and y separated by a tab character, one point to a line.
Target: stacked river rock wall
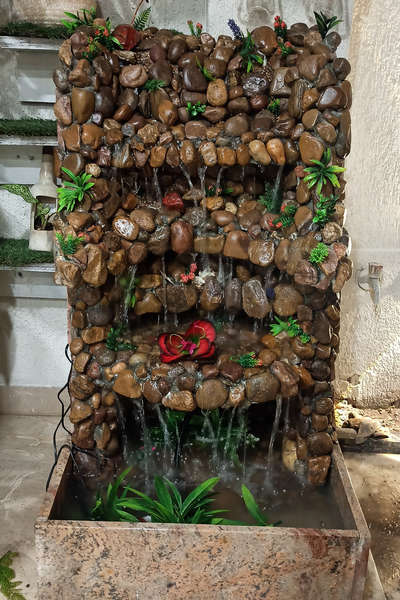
171	191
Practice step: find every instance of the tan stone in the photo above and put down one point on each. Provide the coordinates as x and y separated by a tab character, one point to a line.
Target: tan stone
125	385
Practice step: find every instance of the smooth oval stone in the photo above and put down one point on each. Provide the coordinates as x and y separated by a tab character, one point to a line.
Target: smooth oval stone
291	152
104	102
286	300
332	97
193	79
176	49
212	295
259	152
74	163
237	125
237	245
161	70
310	118
208	153
215	66
310	148
262	121
211	394
238	105
276	151
60	79
265	39
167	112
341	67
327	132
125	228
254	299
222	217
82	102
261	253
133	76
255	84
214	113
217	93
157	52
181	237
191	58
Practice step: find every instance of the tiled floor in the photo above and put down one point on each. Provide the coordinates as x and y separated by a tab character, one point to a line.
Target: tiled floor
26	457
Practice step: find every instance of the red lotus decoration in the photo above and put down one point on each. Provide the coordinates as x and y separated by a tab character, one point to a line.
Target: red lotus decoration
197	342
127	36
173	201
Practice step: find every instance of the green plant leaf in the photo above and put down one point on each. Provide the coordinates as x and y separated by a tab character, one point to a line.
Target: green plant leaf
252	506
142	19
198	493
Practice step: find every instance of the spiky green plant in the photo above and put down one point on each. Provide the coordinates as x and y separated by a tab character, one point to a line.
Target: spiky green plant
205	71
8	586
152	85
286	217
253	508
325	208
325	23
319	254
21	190
73	191
28	127
271	199
274	106
114	342
248	360
141	21
169	507
291	327
83	17
322	172
249	53
195	110
70	244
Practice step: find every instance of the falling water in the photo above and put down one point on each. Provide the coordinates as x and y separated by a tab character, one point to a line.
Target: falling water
287	416
219	176
274	432
255	326
186	174
167	439
202	177
229	432
176	321
230	269
277	182
214	441
242	436
124	307
157	188
164	295
221	272
148	193
205	262
146	446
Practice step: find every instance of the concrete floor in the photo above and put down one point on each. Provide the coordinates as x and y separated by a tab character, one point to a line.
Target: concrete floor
26	457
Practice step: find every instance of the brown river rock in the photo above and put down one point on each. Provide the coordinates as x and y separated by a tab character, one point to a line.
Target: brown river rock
62	110
217	94
96	270
310	148
237	245
181	237
262	388
82	102
261	253
182	400
286	300
255	302
265	39
127	386
211	394
133	76
212	295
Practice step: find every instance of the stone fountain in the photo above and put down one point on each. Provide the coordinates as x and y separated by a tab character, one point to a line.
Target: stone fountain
207	278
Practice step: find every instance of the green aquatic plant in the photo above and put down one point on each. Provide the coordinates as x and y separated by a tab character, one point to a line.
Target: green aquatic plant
70	244
8	586
249	53
271	199
248	360
325	208
286	217
83	17
152	85
114	341
73	191
322	172
274	106
195	110
319	254
111	506
253	508
141	21
291	327
325	23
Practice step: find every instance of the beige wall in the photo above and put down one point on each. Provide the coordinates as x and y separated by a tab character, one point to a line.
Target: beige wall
370	347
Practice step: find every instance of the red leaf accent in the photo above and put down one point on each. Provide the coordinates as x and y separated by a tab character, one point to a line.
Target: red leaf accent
127	36
173	201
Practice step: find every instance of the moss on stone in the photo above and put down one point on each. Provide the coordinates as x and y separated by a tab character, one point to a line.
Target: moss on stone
16	253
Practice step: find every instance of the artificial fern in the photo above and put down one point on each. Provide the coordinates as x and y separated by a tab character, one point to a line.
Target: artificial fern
248	360
74	191
21	190
9	587
70	244
319	253
325	208
286	218
271	199
152	85
142	19
113	341
291	327
275	107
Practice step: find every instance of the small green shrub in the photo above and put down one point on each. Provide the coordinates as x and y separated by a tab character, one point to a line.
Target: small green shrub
113	341
152	85
195	110
319	254
8	586
322	172
271	199
248	360
325	23
291	327
286	217
70	244
324	209
82	17
74	191
275	107
249	53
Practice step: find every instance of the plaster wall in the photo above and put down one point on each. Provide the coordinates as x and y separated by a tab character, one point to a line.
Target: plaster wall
368	366
370	339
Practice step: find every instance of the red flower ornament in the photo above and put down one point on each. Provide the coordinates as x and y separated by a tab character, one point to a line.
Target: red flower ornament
197	342
127	36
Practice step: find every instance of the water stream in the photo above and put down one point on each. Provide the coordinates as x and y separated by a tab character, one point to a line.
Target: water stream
275	429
